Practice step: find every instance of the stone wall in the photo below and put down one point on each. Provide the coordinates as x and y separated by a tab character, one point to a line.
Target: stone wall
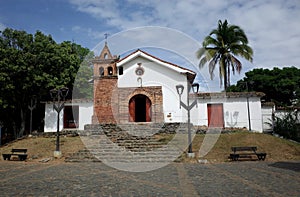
154	93
153	128
111	104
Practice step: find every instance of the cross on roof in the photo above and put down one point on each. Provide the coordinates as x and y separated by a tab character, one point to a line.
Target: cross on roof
105	36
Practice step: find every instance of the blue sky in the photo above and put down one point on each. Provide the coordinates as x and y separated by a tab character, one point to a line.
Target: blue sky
272	26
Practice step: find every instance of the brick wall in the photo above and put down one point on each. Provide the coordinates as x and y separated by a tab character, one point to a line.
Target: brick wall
111	104
104	102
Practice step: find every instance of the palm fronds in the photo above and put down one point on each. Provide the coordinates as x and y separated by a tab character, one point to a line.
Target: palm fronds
221	47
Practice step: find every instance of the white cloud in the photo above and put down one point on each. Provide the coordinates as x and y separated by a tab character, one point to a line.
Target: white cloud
272	30
89	32
2	27
271	25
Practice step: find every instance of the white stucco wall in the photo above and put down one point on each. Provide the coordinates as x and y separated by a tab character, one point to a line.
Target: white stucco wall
157	75
267	112
235	112
51	119
85	116
235	109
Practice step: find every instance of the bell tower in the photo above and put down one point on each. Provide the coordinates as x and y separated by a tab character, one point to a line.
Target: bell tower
105	82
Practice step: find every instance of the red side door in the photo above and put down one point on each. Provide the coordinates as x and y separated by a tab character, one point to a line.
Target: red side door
132	110
148	110
215	115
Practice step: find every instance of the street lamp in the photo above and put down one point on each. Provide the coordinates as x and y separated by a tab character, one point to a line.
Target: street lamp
188	107
248	107
58	97
31	107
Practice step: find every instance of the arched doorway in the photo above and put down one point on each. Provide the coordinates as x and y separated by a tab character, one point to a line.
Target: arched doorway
140	109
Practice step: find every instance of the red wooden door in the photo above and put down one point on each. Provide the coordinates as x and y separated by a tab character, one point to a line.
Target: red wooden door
132	110
71	116
148	110
215	115
140	109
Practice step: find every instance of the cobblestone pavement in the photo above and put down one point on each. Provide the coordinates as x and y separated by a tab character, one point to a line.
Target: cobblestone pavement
176	179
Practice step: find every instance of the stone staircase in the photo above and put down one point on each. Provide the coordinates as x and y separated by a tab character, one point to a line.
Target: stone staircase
132	143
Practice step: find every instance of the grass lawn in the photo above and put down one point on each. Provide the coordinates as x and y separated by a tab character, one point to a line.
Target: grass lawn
42	147
277	149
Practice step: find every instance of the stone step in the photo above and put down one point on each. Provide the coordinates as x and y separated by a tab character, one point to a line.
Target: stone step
129	143
122	158
135	154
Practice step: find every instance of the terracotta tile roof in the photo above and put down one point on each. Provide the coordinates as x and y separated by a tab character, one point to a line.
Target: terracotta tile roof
288	108
85	100
272	104
206	95
175	65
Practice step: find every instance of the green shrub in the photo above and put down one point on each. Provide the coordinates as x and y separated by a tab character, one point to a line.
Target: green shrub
288	126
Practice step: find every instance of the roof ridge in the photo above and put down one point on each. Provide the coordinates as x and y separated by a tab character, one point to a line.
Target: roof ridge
164	61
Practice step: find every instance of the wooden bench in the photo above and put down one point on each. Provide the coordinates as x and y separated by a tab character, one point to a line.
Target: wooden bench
246	152
21	153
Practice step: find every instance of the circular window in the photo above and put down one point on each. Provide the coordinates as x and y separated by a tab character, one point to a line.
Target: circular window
139	71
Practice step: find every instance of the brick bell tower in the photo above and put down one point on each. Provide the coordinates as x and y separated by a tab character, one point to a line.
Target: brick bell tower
105	82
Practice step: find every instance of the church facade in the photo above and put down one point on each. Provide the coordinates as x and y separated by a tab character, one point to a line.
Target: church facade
141	88
137	88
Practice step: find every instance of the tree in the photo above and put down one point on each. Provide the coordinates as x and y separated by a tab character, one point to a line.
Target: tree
288	125
281	86
32	65
82	87
221	47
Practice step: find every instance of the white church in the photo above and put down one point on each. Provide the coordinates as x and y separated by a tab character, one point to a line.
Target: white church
141	88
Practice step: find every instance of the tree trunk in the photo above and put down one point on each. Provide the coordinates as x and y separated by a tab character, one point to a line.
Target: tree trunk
22	122
225	82
15	129
228	76
225	74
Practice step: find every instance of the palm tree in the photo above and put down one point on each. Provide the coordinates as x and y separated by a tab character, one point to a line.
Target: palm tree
222	46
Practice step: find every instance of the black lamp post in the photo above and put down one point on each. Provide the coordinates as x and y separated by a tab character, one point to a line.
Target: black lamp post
248	107
188	107
58	97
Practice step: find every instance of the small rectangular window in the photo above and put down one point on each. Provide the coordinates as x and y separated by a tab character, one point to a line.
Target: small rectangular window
120	70
110	70
101	71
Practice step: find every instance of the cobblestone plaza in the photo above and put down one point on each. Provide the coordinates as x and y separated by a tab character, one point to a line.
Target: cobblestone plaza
176	179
